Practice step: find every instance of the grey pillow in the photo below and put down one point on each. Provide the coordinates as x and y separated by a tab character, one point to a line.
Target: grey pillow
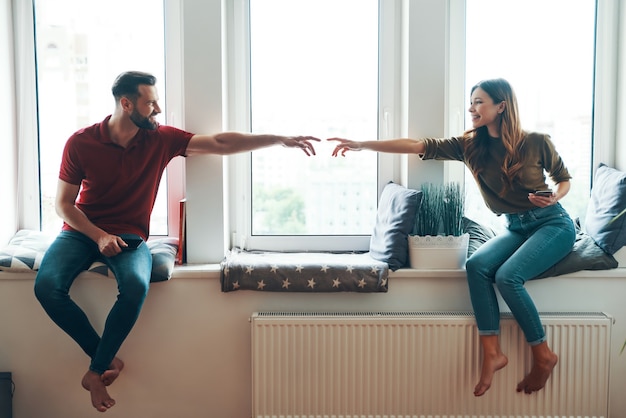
608	199
478	234
395	218
163	258
585	255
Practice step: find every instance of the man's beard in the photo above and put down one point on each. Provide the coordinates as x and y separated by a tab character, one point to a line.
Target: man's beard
143	122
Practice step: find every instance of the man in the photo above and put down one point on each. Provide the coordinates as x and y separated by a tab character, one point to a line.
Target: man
107	186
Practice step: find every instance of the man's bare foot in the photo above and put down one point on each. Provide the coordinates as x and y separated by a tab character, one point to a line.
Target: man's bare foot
100	398
491	364
539	374
110	375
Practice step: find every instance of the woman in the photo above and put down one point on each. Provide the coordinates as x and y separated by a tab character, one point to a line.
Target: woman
508	165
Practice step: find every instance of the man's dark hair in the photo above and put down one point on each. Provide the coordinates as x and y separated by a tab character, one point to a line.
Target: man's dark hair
127	84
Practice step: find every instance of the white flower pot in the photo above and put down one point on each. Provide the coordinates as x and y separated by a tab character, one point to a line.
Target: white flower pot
438	252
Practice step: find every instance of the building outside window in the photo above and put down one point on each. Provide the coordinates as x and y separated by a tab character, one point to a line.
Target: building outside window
314	71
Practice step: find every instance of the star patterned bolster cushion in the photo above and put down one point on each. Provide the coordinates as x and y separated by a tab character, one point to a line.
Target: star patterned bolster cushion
302	272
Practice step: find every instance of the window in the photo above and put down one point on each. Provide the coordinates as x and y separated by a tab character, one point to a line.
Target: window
547	53
313	71
416	80
79	53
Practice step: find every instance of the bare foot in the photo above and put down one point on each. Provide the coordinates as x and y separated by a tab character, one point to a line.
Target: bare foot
539	374
110	375
491	364
100	398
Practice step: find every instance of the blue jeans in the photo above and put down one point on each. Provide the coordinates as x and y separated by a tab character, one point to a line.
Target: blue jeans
73	252
533	242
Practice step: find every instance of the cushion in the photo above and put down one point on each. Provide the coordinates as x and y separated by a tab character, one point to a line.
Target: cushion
585	255
478	234
163	257
608	199
27	247
24	251
395	218
302	272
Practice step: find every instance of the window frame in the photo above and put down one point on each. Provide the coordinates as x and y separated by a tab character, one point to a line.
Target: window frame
205	104
31	215
238	53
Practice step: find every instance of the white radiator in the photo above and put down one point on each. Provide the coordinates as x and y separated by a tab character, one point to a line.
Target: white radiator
420	365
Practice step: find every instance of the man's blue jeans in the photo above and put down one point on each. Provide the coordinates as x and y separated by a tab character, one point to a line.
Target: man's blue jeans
533	242
73	252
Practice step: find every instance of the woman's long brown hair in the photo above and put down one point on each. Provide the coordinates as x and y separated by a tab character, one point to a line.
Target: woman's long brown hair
477	140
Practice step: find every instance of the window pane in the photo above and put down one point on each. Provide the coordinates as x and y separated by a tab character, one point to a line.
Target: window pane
314	71
547	53
80	51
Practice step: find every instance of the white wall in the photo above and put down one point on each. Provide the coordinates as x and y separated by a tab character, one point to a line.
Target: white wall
8	137
189	353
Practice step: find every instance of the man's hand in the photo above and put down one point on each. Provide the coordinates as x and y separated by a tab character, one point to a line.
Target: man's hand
110	245
344	145
302	142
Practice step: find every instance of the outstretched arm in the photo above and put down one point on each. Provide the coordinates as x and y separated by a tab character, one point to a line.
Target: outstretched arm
234	142
395	146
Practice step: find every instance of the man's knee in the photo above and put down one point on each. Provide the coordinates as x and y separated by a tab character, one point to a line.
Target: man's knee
135	289
45	288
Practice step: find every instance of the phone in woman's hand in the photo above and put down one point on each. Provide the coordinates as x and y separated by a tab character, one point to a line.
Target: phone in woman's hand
544	193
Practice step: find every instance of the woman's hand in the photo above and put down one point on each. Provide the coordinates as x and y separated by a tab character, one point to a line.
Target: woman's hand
344	145
542	201
537	199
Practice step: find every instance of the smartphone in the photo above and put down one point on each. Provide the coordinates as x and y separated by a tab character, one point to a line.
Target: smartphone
545	193
133	243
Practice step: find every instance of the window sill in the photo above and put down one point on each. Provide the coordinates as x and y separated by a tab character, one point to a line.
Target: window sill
212	271
196	271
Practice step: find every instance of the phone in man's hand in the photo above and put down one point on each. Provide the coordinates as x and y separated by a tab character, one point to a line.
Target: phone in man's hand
133	243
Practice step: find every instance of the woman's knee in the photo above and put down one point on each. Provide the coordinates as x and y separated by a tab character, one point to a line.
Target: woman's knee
475	266
505	279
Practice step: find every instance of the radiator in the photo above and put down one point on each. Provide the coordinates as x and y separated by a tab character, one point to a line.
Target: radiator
420	365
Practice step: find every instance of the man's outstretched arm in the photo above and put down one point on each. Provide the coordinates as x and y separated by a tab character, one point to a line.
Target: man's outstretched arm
234	142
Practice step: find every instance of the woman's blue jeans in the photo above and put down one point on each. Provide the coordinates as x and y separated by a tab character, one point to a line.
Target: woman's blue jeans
533	242
73	252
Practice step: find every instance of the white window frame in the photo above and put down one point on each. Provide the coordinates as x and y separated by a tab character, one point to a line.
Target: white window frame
393	121
26	88
607	78
197	44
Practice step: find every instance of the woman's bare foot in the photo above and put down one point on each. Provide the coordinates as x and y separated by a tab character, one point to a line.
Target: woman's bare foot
491	364
100	398
110	375
544	361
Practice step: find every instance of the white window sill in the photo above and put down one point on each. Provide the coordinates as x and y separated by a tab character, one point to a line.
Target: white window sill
212	271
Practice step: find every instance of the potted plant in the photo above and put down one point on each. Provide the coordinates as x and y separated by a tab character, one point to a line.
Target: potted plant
438	240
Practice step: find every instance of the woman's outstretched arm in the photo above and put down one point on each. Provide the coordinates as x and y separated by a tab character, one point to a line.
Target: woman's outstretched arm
395	146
